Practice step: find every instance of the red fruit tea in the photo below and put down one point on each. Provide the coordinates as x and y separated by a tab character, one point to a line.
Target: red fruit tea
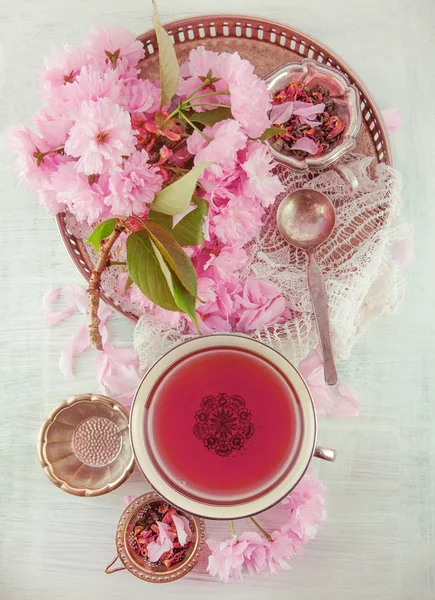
223	425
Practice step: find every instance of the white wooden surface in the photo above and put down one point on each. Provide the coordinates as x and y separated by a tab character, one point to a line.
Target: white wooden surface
378	542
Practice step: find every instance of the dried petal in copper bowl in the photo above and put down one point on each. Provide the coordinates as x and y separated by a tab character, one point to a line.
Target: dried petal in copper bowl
139	566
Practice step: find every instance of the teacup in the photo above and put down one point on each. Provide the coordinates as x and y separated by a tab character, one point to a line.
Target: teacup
224	427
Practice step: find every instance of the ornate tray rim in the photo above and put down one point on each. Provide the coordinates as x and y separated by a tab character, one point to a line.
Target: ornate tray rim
242	26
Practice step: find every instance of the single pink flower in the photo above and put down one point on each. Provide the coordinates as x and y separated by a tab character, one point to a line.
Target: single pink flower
54	130
393	118
258	304
63	66
227	558
279	551
140	95
306	506
114	45
100	136
84	196
195	70
93	83
238	221
133	185
248	98
404	253
33	167
227	261
261	183
226	140
338	401
217	312
255	552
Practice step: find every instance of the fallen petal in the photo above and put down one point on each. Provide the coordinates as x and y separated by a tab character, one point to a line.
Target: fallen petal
50	298
127	500
78	296
404	252
72	348
393	118
344	402
52	319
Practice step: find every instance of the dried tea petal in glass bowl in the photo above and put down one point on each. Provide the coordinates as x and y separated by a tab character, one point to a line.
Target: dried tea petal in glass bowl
309	119
318	112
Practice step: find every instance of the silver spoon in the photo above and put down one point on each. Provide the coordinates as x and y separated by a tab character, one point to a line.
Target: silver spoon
306	219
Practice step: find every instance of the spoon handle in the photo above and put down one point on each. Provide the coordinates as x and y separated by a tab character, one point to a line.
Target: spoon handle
319	300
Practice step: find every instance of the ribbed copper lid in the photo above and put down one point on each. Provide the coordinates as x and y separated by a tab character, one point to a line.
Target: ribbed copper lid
84	445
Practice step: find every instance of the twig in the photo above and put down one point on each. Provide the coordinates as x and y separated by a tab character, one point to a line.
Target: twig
94	288
263	531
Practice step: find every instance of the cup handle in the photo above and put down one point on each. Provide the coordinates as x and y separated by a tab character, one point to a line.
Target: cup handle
324	453
347	174
109	571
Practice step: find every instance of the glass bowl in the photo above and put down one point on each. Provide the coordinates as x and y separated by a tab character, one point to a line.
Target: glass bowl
346	99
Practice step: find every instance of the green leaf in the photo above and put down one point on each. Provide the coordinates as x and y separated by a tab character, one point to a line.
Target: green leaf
101	232
164	267
145	270
174	256
168	63
185	300
128	283
175	198
189	231
161	219
211	117
270	132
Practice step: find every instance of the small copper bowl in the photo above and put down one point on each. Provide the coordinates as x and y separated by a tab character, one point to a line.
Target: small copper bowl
347	101
84	445
136	564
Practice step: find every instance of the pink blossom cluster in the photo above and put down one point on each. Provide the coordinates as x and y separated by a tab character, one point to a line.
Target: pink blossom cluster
84	155
92	154
255	553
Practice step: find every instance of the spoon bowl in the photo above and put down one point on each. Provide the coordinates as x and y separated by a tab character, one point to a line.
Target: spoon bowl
306	218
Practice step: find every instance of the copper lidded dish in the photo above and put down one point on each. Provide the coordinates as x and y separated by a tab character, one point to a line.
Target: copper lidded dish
84	445
347	104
